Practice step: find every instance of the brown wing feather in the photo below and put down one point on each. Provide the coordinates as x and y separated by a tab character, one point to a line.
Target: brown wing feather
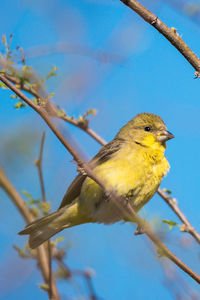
102	156
107	151
73	190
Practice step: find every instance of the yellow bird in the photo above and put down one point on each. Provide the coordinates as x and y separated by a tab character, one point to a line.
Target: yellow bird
132	164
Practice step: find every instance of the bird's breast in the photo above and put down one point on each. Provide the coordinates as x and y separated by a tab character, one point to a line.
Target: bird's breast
133	174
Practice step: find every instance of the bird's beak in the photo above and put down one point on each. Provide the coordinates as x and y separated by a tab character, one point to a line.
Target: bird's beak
164	135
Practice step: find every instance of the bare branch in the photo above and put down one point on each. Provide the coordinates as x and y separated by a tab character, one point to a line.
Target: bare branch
42	255
84	126
169	33
187	225
13	194
38	164
85	274
120	202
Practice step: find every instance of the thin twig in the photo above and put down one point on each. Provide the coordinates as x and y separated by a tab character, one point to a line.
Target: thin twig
88	279
187	225
169	33
23	86
16	198
120	202
84	126
42	255
51	294
176	283
85	274
38	164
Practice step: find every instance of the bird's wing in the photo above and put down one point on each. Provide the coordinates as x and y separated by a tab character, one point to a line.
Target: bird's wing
73	191
107	151
102	156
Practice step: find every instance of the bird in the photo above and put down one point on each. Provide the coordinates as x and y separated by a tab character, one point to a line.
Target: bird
132	164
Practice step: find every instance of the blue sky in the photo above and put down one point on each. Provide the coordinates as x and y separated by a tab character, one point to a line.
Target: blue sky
148	75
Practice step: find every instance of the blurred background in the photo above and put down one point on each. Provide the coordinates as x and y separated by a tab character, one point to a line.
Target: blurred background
108	59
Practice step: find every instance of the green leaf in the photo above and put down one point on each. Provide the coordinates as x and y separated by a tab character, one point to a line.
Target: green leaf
4	41
61	113
50	95
52	72
57	240
167	191
29	196
7	46
19	104
14	96
35	100
45	207
44	286
90	112
35	211
21	252
170	223
26	69
3	86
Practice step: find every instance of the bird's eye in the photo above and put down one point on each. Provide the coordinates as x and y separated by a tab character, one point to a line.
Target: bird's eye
147	128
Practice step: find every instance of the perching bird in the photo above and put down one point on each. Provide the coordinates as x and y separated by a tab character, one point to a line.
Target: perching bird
132	164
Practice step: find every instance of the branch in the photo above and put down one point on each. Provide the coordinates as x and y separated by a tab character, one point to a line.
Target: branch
187	226
169	33
38	164
13	194
84	126
120	202
22	86
42	255
85	274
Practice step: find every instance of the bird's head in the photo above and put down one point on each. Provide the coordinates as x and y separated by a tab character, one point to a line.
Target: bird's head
148	130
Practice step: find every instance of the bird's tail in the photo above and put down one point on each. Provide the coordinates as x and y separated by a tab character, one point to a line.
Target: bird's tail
44	228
